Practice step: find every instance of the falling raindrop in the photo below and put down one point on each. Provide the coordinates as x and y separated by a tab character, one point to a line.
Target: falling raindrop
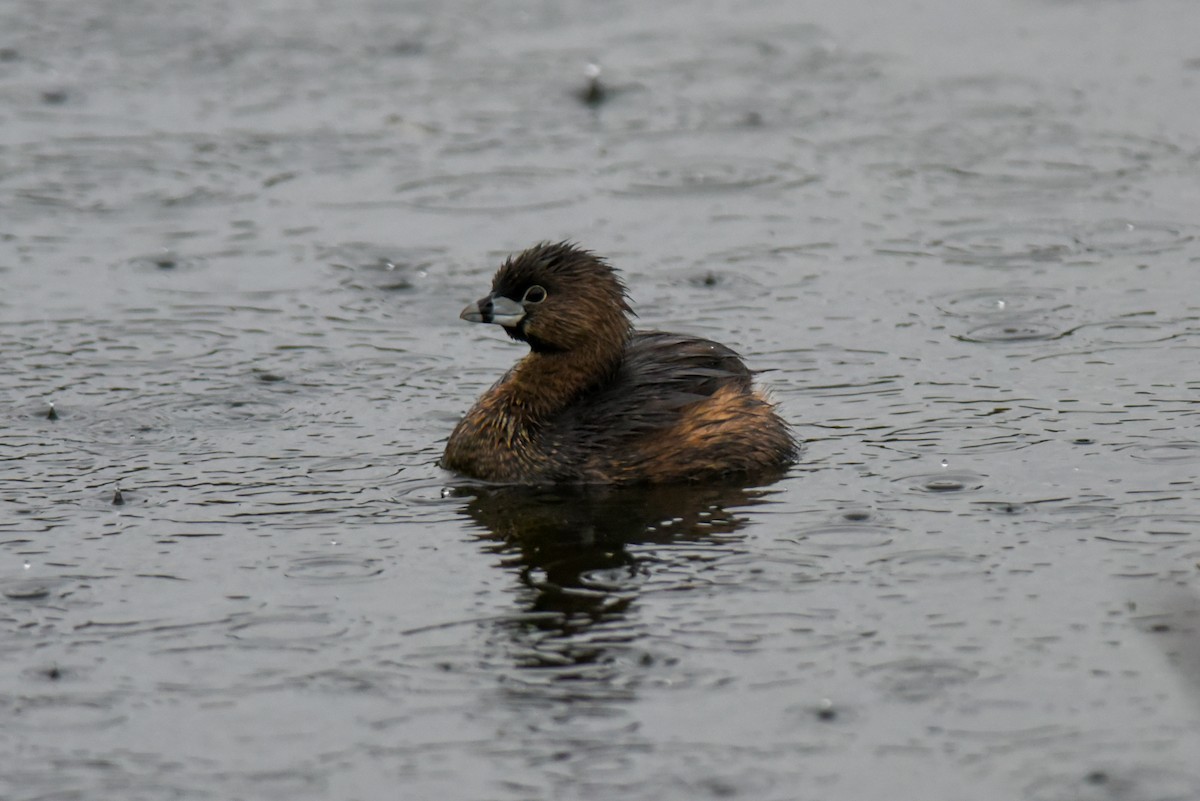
593	92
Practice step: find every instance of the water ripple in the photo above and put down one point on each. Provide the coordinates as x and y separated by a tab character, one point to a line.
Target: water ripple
1151	529
501	190
1012	161
848	535
165	260
1015	330
1008	245
992	302
1173	452
1110	782
945	482
305	632
1134	237
1058	241
32	589
921	679
390	268
63	713
955	437
336	569
931	564
698	175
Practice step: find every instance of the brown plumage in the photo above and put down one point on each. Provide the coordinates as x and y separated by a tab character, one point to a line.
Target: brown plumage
596	402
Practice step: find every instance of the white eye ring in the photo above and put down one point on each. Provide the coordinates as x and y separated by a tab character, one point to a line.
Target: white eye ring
535	294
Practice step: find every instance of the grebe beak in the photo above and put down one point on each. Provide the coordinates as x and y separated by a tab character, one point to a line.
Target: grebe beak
492	309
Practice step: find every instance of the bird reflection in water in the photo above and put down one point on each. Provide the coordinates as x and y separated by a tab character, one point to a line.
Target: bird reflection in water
583	554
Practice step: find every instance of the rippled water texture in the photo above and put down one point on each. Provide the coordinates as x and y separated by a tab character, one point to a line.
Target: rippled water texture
961	238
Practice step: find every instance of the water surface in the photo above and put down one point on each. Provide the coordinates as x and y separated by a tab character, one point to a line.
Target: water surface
961	239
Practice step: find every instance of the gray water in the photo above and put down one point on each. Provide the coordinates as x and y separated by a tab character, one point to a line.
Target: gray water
960	238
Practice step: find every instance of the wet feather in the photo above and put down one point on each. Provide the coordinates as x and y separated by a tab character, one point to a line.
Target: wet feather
596	402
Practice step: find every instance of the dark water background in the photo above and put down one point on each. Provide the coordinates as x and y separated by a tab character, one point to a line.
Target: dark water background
234	240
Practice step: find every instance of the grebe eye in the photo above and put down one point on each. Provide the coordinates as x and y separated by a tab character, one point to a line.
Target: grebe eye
535	294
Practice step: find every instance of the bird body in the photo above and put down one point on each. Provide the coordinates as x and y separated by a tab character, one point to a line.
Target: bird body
595	402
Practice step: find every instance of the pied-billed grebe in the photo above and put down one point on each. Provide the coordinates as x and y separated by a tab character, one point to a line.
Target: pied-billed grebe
596	402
